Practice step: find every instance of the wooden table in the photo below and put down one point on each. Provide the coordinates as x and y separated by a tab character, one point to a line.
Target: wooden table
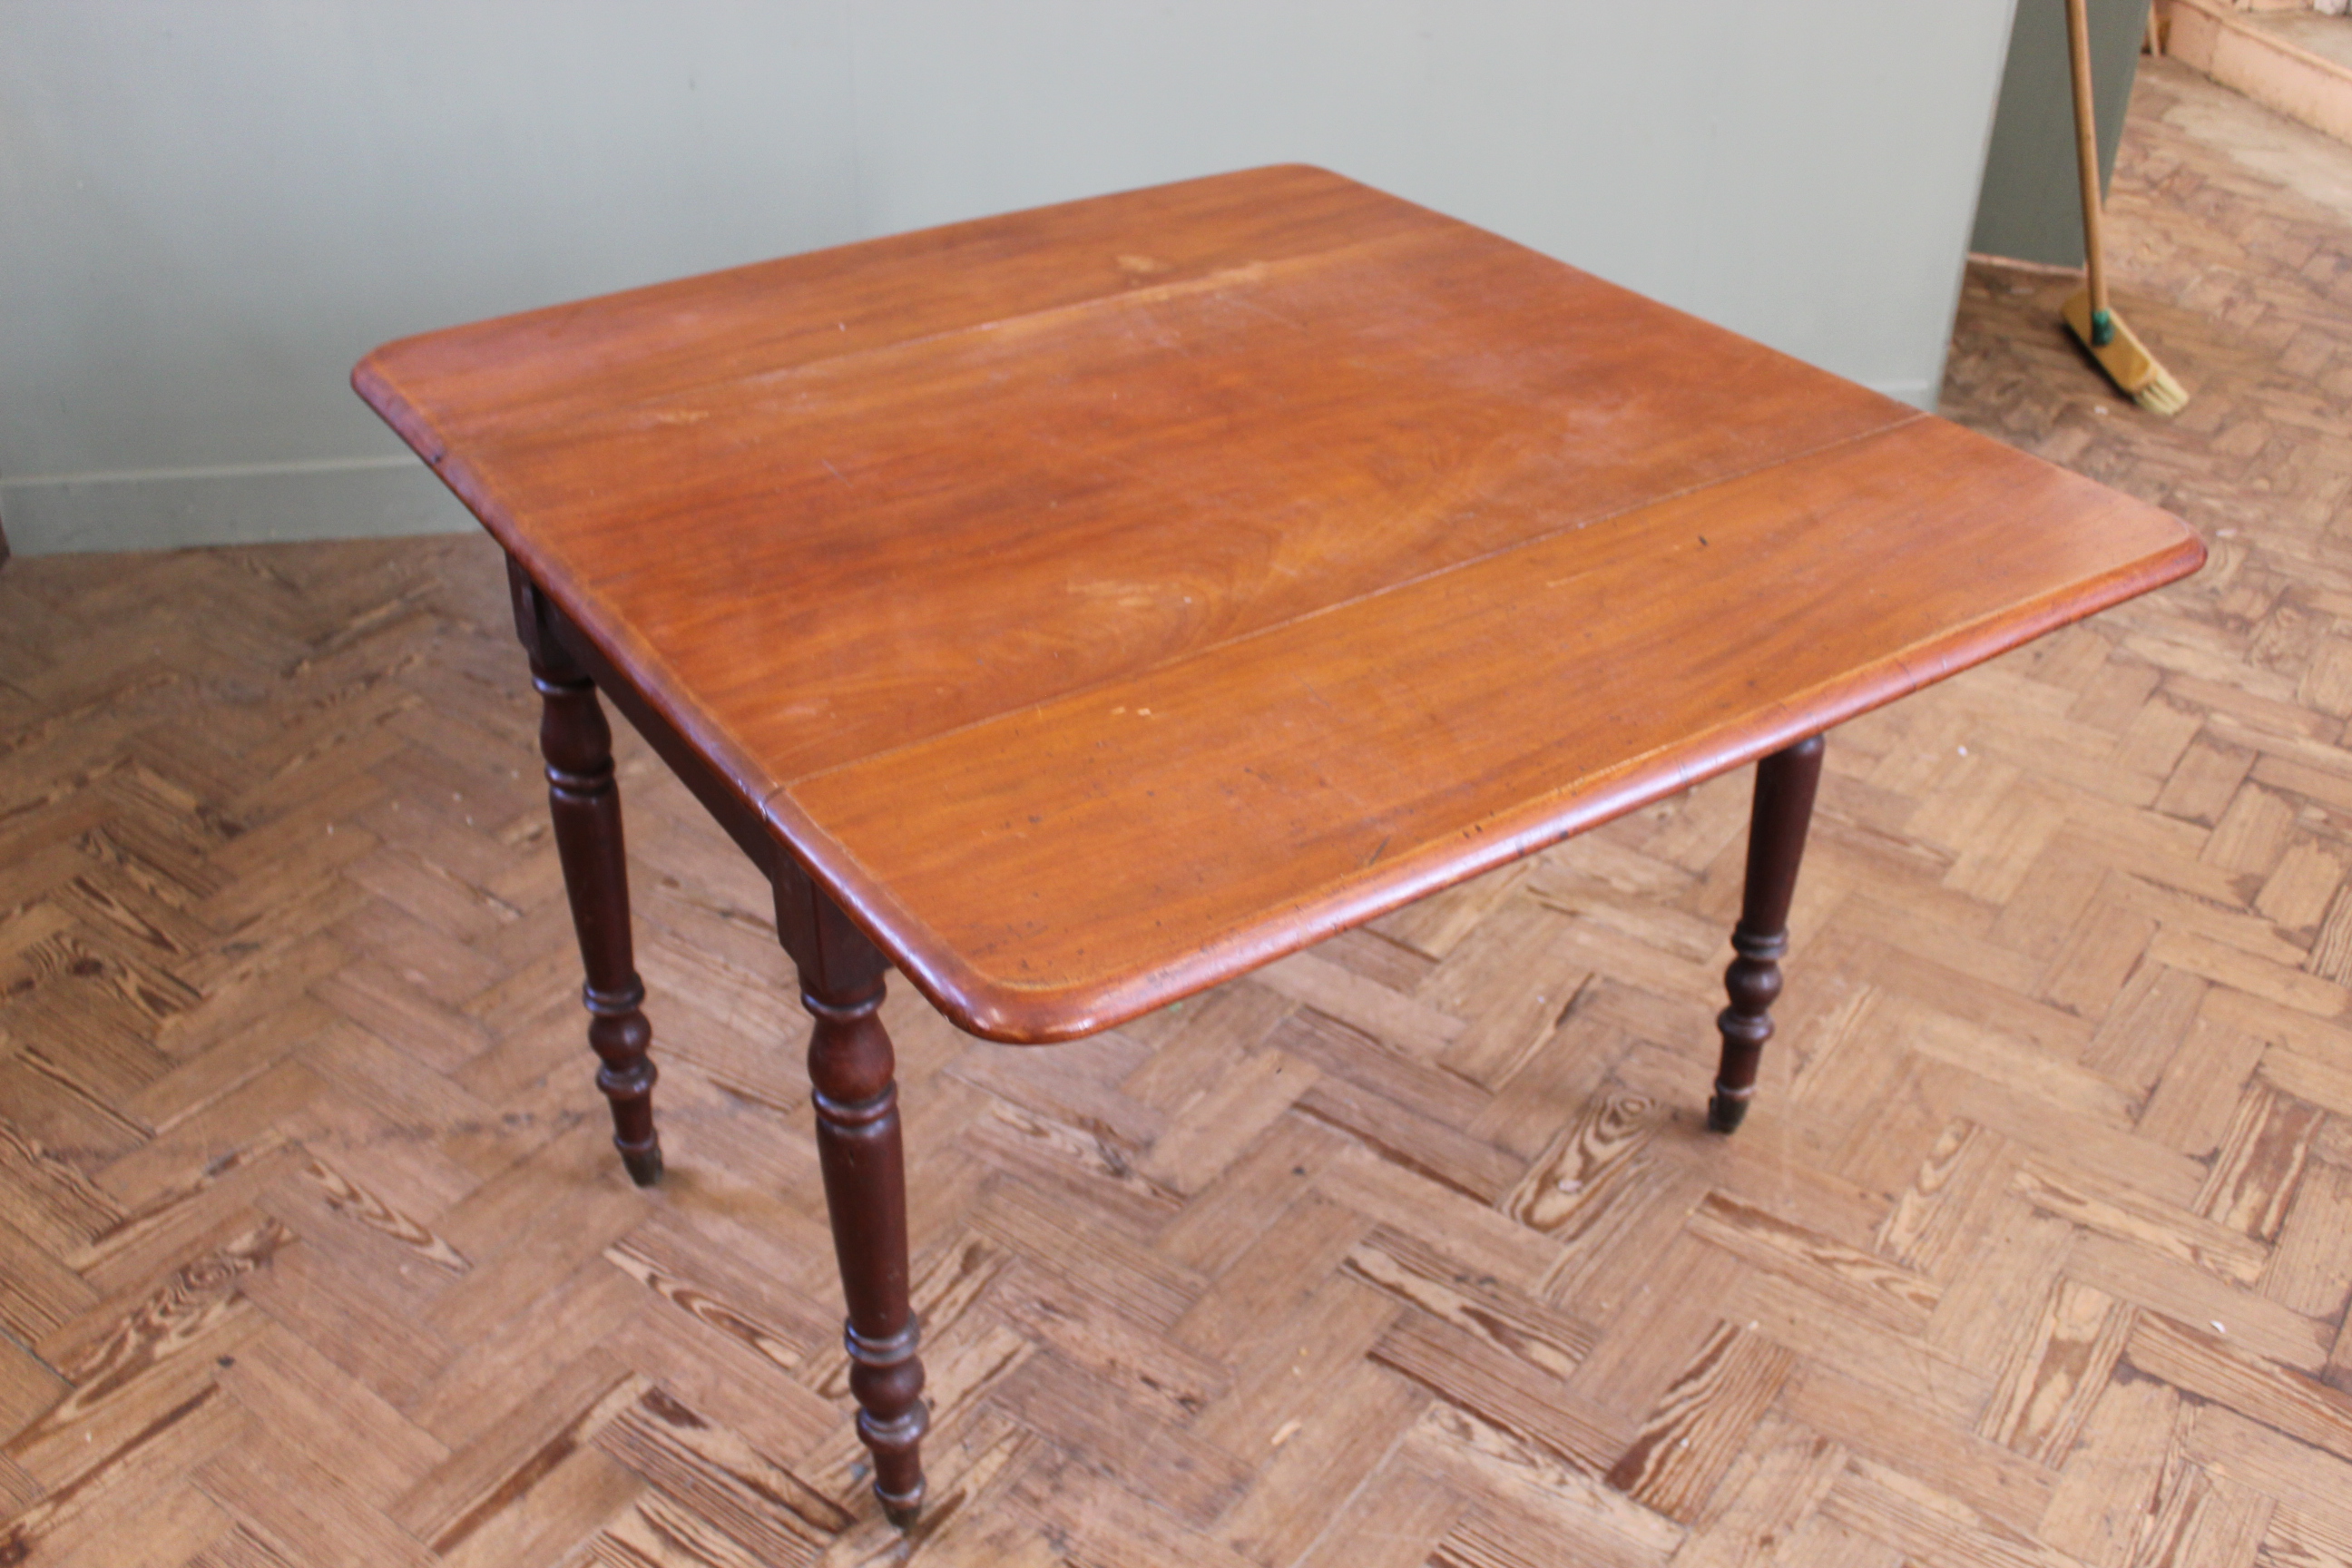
1082	607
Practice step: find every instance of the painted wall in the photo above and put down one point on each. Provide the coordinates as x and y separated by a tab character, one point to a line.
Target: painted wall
2030	207
208	211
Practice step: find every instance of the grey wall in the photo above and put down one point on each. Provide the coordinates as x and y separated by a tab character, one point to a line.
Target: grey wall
208	211
2032	206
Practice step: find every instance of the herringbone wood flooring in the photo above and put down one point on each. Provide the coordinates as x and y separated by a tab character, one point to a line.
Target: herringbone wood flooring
1408	1250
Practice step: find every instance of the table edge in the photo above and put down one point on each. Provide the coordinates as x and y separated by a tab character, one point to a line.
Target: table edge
1013	1013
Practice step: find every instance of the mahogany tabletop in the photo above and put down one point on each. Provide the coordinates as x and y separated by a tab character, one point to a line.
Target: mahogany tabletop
1102	600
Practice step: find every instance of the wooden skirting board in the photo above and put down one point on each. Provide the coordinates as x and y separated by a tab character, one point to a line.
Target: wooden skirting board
2236	49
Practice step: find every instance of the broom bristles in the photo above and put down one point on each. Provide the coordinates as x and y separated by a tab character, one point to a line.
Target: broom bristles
2126	359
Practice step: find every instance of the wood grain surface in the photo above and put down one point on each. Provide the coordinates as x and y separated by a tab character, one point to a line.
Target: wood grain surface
1102	601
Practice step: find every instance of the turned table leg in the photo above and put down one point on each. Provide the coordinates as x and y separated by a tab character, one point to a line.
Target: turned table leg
585	803
1783	808
851	1067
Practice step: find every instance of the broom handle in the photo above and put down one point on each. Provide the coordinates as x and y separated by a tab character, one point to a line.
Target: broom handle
2086	147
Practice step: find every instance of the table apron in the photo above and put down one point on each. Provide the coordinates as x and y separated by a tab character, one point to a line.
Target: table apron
741	820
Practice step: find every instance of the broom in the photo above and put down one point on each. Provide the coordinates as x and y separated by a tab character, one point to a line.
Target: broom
2120	354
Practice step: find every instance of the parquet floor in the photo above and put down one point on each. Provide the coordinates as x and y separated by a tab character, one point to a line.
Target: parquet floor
1410	1250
